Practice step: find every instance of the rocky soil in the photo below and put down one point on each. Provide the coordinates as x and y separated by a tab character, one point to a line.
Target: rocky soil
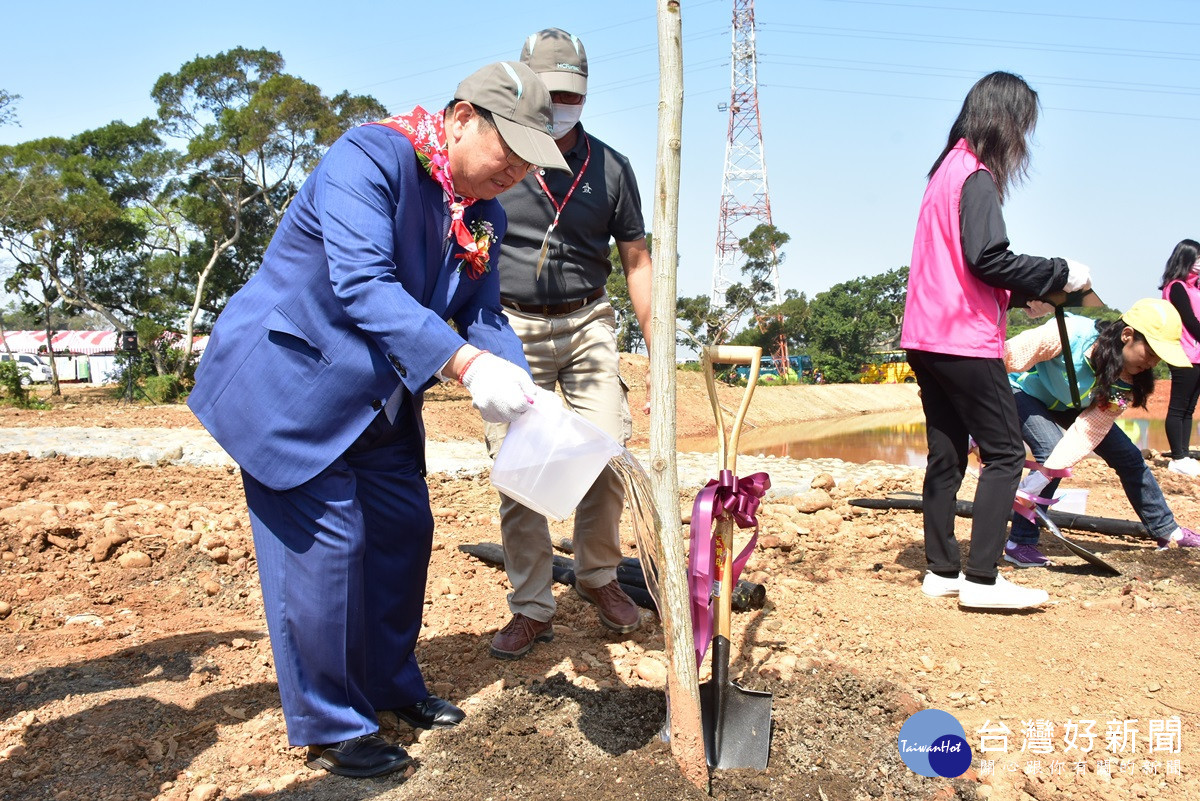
134	661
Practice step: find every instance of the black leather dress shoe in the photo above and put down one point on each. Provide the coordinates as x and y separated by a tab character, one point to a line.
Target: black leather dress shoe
432	713
359	757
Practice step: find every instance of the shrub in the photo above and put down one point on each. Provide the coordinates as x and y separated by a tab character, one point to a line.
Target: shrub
13	392
10	384
162	388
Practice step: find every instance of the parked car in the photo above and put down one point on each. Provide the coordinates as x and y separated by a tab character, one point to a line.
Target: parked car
799	370
33	369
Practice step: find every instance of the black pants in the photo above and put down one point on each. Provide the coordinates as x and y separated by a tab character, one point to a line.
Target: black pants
963	398
1185	388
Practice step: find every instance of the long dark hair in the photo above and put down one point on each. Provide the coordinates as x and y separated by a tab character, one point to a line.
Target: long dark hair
1183	258
997	117
1108	360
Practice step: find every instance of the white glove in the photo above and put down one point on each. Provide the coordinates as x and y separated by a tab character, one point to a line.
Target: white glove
1034	483
544	397
1079	276
499	389
1037	308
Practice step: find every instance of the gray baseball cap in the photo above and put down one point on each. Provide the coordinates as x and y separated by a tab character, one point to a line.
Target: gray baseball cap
559	60
520	105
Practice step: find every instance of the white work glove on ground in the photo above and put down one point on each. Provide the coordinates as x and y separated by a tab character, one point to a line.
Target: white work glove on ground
499	389
1079	276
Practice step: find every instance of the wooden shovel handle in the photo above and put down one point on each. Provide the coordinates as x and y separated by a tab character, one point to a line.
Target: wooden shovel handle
730	354
727	458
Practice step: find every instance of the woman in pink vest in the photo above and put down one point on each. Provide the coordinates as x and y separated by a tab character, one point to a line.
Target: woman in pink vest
962	280
1179	285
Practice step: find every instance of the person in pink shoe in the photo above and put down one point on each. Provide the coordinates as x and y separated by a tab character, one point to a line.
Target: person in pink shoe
1114	364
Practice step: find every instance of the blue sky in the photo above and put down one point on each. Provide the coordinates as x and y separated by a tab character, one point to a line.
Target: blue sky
856	98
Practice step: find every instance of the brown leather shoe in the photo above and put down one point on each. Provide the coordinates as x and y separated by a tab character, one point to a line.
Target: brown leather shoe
515	639
616	609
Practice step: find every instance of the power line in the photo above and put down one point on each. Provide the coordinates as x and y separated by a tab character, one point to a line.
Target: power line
608	56
787	60
965	41
594	87
894	96
1088	17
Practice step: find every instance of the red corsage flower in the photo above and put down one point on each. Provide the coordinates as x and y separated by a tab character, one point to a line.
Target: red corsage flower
476	256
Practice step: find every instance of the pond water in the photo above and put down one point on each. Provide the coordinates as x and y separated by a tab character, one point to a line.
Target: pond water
893	437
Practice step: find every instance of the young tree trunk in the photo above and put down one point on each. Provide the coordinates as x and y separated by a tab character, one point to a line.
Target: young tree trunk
55	389
683	684
219	247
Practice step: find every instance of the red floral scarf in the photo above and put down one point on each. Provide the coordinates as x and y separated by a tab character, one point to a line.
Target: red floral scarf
427	134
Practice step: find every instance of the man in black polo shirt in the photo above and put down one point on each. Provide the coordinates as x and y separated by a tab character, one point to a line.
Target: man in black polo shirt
553	270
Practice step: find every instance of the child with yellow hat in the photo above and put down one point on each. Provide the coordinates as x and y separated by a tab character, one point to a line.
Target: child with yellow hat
1114	363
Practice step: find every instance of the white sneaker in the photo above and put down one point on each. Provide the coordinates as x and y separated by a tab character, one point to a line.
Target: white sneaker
1001	595
1187	466
935	586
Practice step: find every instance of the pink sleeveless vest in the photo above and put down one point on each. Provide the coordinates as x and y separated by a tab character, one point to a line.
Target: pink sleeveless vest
949	310
1190	346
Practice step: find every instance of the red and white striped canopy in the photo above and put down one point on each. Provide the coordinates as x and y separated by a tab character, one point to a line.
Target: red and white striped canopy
82	342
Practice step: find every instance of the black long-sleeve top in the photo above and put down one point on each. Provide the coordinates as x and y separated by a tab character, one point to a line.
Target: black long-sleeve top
986	246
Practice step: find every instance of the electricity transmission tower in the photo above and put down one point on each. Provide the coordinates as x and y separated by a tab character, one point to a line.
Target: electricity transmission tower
745	201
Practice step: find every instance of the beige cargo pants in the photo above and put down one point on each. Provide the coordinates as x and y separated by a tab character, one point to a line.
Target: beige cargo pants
576	352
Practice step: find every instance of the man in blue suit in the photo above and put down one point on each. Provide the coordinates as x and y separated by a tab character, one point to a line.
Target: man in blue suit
313	379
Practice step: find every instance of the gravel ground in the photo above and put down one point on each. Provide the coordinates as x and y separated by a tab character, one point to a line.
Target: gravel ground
195	448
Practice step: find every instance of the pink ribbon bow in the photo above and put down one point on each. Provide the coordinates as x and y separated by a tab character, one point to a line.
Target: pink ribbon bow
727	495
1027	511
1053	472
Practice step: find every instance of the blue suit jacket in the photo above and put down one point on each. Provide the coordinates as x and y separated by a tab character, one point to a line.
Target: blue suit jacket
352	300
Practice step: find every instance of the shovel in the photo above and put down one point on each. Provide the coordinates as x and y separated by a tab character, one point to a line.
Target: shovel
1078	550
1062	300
736	721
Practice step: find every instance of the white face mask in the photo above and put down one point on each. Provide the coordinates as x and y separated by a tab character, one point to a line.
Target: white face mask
564	117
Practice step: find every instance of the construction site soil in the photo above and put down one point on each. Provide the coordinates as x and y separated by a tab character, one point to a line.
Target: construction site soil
135	662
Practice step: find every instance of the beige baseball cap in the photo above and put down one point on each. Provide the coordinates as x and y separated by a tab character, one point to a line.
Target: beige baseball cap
520	105
559	60
1159	322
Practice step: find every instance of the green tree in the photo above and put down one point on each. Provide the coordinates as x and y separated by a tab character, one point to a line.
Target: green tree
753	297
8	114
1019	321
629	333
787	321
65	221
852	319
253	133
15	317
65	215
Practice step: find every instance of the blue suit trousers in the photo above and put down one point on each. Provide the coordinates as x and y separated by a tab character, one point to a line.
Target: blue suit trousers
343	560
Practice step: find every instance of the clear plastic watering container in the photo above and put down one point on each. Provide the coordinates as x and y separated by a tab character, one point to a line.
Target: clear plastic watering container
550	457
1073	501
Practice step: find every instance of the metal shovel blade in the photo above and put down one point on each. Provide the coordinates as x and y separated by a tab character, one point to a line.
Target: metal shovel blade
736	721
1078	550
